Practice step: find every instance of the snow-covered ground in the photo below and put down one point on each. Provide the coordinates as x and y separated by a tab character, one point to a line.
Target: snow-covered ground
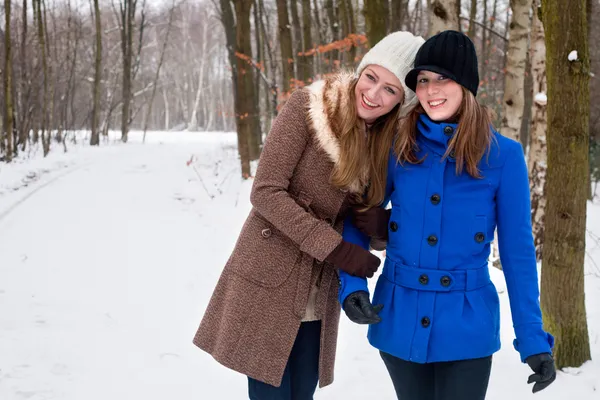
108	257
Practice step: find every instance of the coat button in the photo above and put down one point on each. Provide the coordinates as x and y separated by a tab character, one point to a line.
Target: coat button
452	154
393	226
425	322
424	279
448	130
266	233
432	240
435	199
445	281
479	237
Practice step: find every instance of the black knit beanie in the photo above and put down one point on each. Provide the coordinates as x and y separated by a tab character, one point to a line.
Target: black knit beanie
449	53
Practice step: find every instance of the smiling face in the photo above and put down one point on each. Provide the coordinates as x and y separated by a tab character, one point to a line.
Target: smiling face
377	92
441	97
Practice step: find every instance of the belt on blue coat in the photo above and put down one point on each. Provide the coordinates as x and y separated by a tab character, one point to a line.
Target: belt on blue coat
436	280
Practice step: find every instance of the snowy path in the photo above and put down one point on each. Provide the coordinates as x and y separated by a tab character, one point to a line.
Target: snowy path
105	272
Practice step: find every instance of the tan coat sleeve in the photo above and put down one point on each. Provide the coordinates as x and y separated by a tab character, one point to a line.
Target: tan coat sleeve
283	148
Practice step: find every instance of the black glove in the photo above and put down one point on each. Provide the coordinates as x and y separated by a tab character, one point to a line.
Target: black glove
545	371
373	222
358	308
354	260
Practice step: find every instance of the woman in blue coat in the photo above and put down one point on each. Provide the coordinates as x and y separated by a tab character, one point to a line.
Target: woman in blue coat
451	181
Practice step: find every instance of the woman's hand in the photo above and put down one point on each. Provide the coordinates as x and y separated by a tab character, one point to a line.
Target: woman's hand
373	222
545	371
358	308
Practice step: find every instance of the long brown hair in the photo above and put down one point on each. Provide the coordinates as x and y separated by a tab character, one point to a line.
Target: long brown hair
472	139
369	167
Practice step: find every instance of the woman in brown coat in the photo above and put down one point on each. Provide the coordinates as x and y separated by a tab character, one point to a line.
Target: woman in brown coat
274	313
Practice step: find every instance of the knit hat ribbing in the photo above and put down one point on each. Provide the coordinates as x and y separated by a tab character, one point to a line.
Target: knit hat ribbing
449	53
396	53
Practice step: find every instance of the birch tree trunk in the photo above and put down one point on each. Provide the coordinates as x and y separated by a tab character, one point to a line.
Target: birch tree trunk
562	291
193	125
536	161
514	96
443	15
159	66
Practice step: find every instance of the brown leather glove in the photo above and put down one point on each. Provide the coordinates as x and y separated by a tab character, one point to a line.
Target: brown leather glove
354	260
373	222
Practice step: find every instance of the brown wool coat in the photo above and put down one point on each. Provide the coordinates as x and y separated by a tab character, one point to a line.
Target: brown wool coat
261	298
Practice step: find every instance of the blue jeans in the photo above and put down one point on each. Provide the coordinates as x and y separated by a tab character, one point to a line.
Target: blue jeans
301	373
452	380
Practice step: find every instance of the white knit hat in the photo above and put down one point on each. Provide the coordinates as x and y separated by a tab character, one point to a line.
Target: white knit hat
396	52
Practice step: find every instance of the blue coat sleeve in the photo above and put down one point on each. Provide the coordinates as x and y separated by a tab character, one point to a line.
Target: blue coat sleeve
350	283
351	234
517	254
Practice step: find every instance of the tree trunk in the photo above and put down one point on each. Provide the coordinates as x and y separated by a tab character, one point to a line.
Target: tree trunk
443	15
42	44
346	15
536	161
193	124
245	85
562	294
398	15
594	34
285	43
160	63
297	39
127	8
95	138
308	42
376	20
8	83
334	26
527	104
472	15
514	100
24	119
485	39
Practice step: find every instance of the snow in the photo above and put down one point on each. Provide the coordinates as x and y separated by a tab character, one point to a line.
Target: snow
573	55
109	258
541	98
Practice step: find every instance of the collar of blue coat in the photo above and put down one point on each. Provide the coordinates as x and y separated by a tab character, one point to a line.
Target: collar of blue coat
435	135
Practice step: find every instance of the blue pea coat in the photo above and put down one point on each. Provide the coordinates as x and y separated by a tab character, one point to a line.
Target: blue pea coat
439	302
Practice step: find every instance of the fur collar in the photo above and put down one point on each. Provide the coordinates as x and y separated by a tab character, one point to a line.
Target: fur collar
326	97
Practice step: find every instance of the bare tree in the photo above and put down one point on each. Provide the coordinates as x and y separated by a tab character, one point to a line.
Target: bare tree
8	83
127	12
285	43
158	67
95	137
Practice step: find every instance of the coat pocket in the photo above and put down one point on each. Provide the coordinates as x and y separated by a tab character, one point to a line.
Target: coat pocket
264	254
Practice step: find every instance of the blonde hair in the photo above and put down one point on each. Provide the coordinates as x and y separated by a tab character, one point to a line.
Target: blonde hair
472	139
369	167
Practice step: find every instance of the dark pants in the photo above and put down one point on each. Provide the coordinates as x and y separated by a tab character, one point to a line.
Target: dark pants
453	380
301	373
